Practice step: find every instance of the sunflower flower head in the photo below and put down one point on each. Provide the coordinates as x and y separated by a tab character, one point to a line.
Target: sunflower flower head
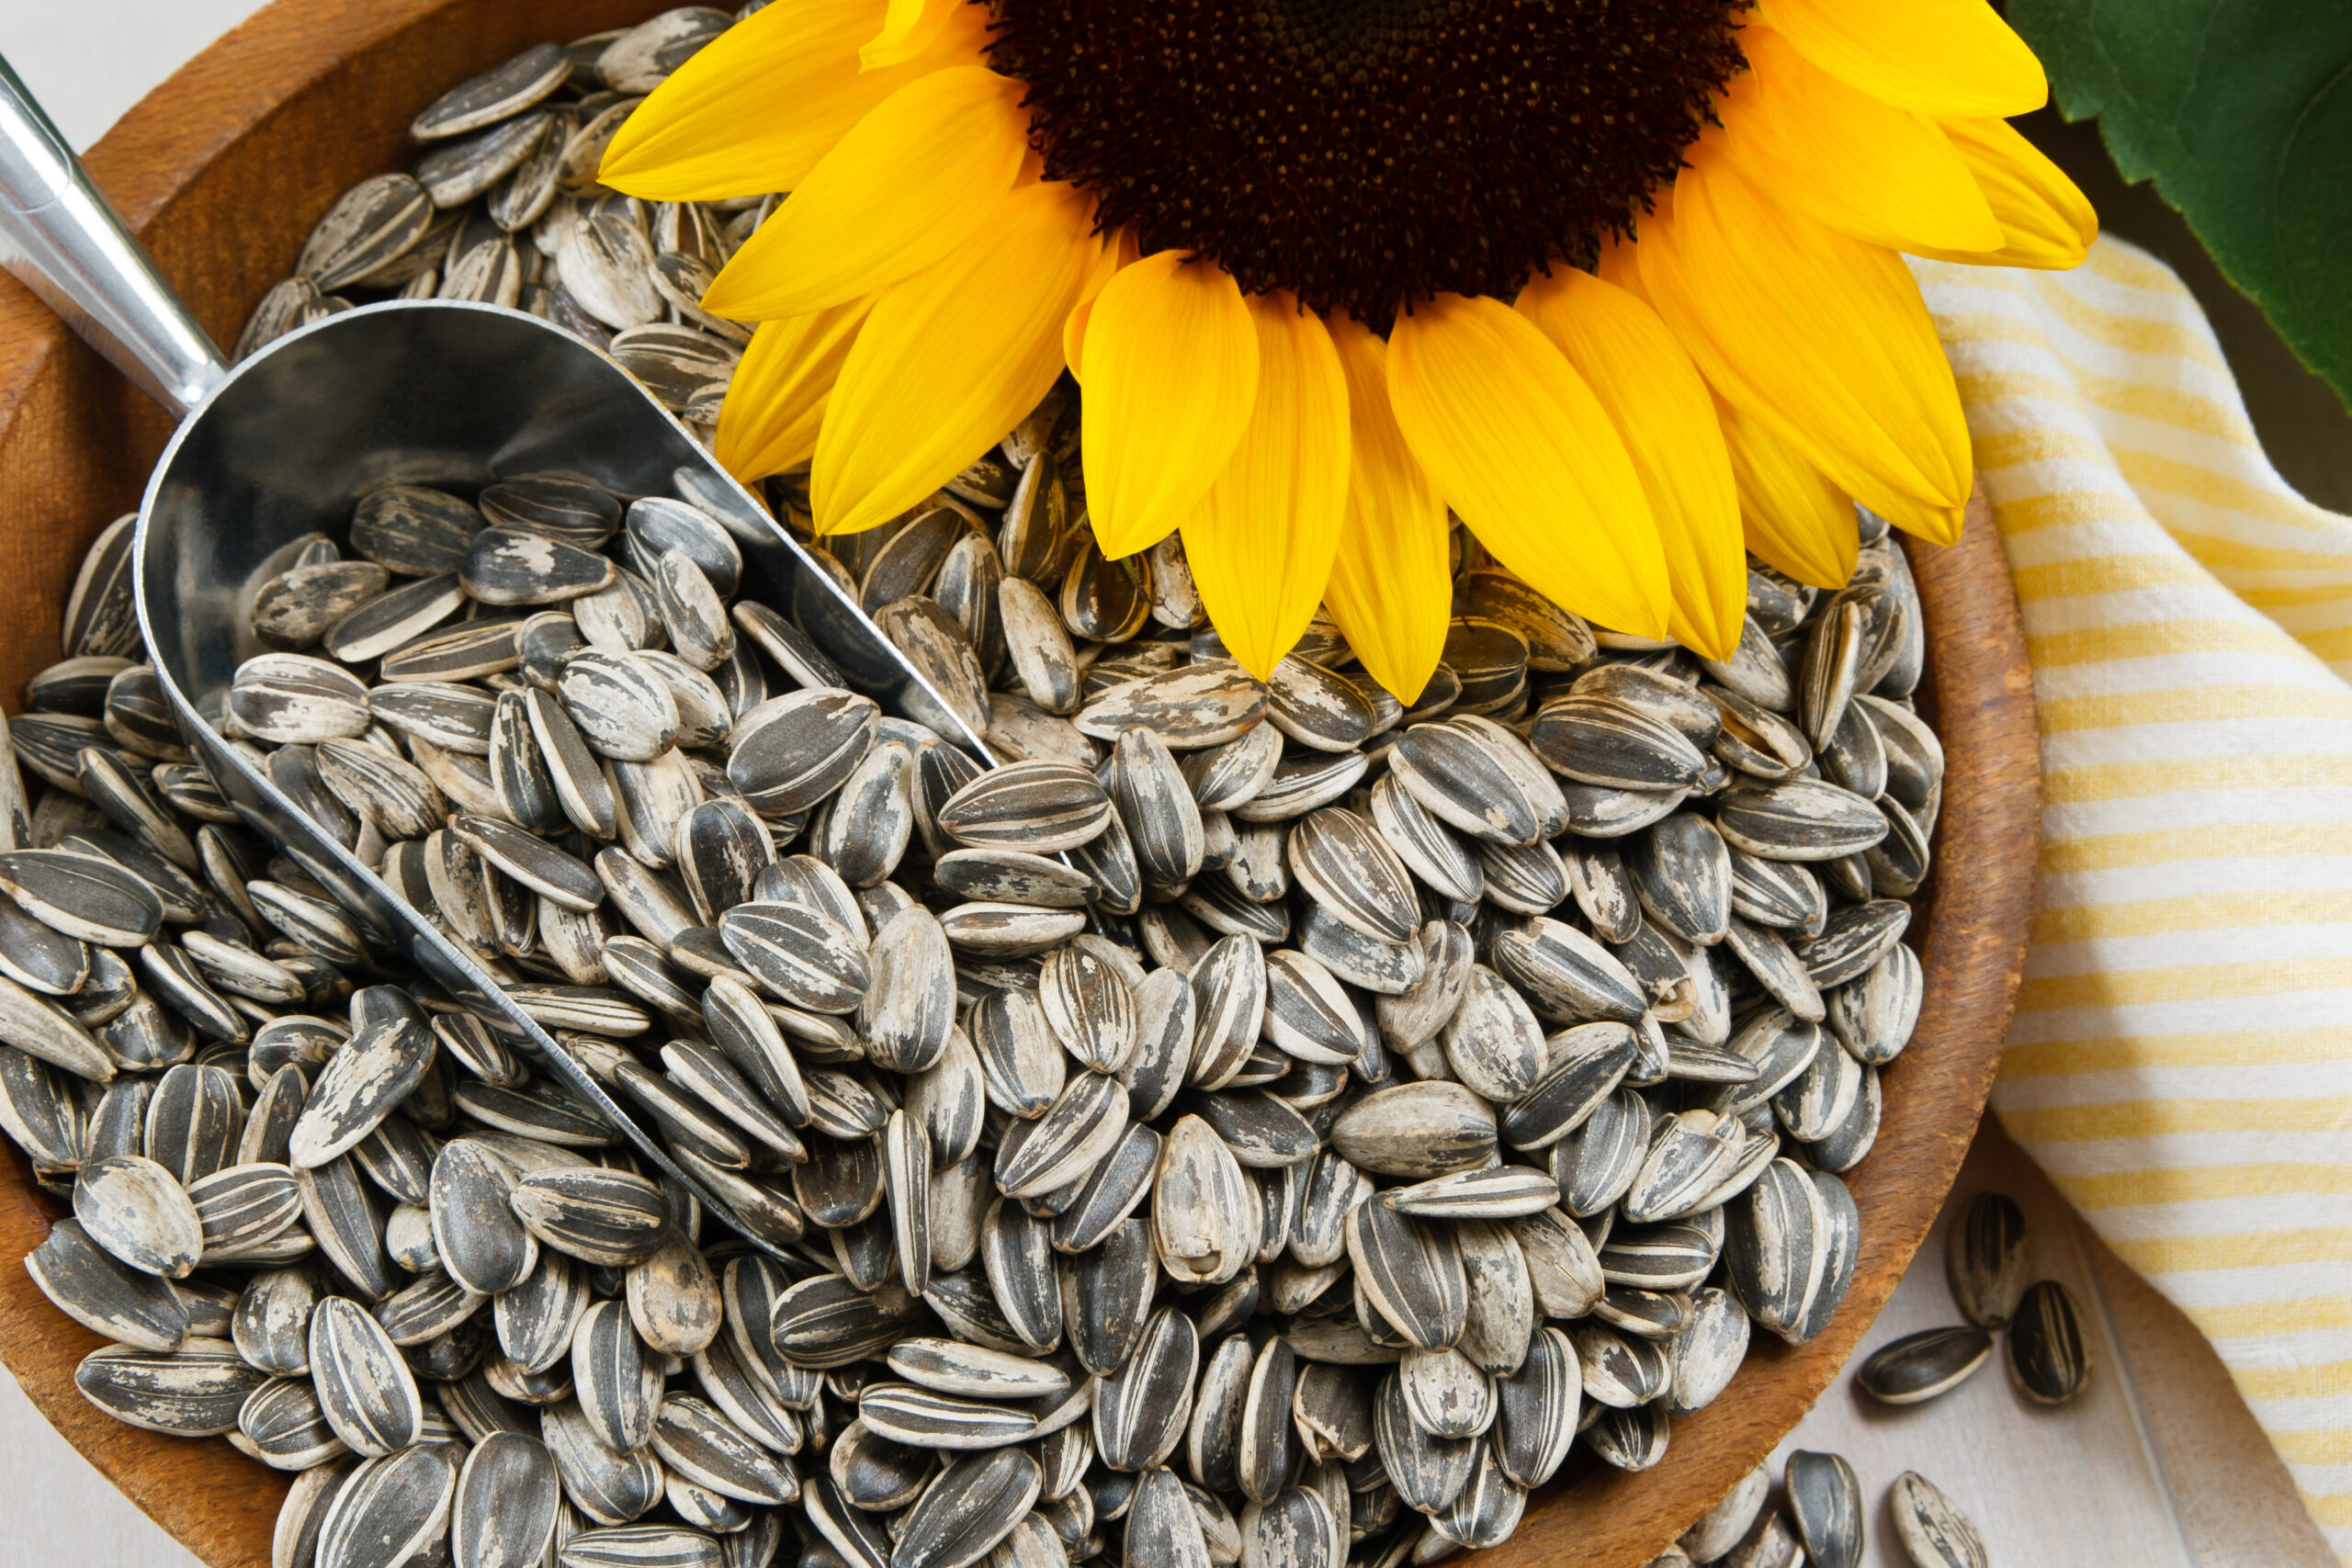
1619	289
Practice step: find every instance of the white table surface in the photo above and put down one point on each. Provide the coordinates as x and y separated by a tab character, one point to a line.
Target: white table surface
2159	1465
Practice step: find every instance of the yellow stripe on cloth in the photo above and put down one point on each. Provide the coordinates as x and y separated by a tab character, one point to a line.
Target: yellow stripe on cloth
2181	1062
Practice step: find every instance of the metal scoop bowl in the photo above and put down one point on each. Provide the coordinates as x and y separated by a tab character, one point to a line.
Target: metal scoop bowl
283	444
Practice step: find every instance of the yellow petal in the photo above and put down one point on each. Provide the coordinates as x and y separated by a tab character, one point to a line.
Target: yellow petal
1936	524
1121	254
1262	540
952	358
2045	222
907	27
1796	521
909	183
1843	158
1660	405
754	109
1169	371
769	421
1822	337
1940	57
1389	590
1517	445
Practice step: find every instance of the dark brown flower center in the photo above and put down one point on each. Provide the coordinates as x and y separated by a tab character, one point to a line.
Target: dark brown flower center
1366	153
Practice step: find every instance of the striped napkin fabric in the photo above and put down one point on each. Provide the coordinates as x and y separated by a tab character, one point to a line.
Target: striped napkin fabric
2181	1060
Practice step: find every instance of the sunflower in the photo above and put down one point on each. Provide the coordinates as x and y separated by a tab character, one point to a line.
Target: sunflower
1617	283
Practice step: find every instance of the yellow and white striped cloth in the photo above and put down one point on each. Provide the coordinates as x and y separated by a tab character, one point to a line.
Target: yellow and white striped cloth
2181	1062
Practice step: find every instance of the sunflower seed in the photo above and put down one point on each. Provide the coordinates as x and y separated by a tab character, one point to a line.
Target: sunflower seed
365	1389
1934	1532
96	1289
1988	1259
1920	1366
504	1510
2049	1357
137	1211
1721	1528
194	1391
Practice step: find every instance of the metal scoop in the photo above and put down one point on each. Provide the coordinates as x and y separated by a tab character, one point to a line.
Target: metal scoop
284	443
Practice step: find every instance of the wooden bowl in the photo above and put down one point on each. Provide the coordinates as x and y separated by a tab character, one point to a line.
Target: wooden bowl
222	171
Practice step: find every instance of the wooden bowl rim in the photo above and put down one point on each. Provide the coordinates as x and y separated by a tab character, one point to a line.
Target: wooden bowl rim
1972	949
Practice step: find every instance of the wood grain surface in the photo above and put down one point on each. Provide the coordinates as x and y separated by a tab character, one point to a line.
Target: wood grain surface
222	170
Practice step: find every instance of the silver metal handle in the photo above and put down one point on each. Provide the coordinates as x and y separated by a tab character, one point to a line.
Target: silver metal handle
59	234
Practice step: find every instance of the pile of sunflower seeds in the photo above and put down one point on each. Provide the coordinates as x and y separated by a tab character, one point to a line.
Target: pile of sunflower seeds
1264	1117
504	208
1822	1523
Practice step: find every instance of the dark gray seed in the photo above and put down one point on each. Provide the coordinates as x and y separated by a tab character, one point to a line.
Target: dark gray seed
612	1218
909	1001
414	531
1614	743
89	899
1920	1366
1142	1409
493	96
618	1380
524	566
1428	1473
1081	1127
561	505
1412	1272
1852	939
282	1423
825	1320
535	1321
193	1391
452	717
1460	781
1567	974
1302	783
1988	1259
1417	1130
340	1211
96	1289
367	1392
1629	1440
921	1419
481	1244
361	1083
1036	805
1800	819
245	1205
508	1496
793	752
1163	1525
463	651
100	617
973	1506
389	1508
608	1486
699	1444
426	1310
41	958
1826	1499
295	608
1777	1247
369	228
1536	1410
2049	1357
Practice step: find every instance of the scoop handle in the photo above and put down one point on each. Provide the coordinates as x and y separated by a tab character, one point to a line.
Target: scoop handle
59	234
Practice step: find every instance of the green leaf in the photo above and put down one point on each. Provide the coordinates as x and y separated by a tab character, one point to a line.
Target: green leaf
2242	112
